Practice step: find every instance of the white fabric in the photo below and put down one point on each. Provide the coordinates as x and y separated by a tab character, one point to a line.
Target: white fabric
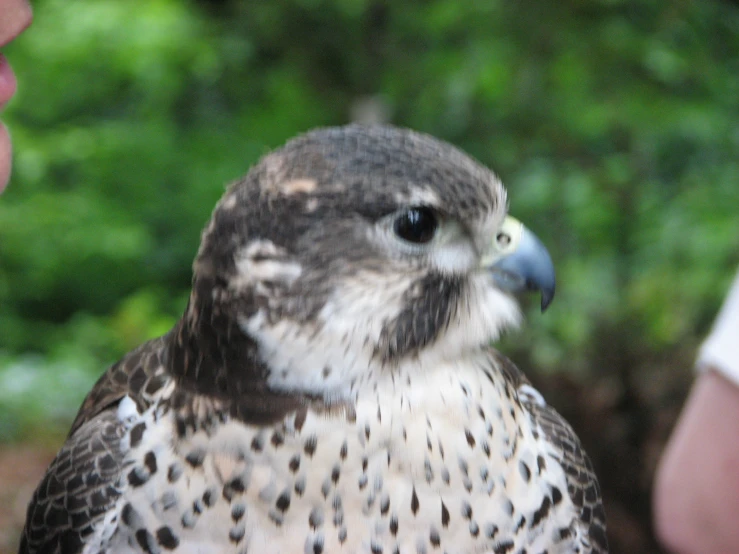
720	351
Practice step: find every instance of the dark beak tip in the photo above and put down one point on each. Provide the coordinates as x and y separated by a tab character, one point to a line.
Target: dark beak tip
546	299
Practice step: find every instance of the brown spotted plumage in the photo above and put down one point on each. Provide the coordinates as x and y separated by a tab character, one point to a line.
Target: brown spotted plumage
330	387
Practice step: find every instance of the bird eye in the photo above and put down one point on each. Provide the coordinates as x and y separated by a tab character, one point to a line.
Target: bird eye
416	225
504	239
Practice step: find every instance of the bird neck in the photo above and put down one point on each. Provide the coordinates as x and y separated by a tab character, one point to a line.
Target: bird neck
211	356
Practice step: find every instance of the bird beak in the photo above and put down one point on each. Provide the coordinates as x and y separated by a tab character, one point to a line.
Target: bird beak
518	261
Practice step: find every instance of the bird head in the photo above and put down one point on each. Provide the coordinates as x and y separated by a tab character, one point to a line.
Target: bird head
352	250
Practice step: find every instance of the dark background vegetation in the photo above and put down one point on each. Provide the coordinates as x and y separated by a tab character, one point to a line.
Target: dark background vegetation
614	124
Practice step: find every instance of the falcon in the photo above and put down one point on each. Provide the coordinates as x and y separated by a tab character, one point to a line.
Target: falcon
331	385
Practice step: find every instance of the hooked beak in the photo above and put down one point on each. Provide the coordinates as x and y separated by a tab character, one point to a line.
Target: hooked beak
518	261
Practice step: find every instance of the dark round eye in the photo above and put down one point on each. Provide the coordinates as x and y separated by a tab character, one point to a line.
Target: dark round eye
416	225
504	239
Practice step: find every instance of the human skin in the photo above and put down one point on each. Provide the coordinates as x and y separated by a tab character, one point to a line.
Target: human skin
696	494
15	16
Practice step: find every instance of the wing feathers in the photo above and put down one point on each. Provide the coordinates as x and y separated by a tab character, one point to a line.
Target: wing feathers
582	484
79	487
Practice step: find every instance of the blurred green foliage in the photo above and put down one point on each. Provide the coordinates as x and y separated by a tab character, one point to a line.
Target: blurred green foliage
614	124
